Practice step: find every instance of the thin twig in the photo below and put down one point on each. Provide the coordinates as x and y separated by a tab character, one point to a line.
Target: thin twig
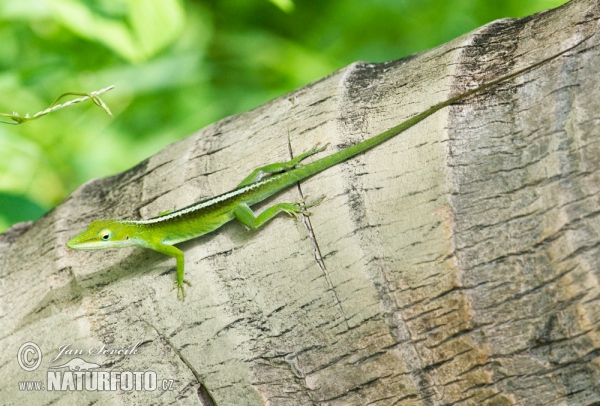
17	119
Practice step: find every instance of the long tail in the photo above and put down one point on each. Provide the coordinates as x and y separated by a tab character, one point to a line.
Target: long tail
340	156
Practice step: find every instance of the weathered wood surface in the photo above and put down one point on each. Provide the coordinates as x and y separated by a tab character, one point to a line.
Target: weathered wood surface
458	263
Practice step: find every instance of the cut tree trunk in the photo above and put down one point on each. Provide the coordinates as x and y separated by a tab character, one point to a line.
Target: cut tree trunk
457	263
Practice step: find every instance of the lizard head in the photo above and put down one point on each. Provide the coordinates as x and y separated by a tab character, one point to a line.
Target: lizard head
103	234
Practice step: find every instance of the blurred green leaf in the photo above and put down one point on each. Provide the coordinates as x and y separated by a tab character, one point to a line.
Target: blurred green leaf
284	5
151	25
17	208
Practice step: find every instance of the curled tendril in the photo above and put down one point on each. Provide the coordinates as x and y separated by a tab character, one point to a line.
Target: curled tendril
17	119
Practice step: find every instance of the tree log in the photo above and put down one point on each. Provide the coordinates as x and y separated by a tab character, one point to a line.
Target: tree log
457	263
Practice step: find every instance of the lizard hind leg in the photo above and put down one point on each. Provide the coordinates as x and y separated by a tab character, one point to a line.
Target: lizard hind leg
278	167
245	215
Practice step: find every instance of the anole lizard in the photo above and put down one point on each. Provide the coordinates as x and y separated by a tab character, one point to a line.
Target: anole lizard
161	233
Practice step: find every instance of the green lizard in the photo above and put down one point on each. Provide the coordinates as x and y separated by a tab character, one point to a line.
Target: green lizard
162	232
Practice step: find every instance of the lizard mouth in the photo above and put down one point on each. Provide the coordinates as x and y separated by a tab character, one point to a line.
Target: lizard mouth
85	245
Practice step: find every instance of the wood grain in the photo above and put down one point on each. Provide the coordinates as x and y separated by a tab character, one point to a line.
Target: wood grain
456	264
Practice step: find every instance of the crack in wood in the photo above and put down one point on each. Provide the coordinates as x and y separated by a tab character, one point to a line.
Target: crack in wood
316	249
204	396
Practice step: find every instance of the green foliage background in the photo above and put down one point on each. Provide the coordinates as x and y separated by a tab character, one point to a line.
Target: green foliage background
178	66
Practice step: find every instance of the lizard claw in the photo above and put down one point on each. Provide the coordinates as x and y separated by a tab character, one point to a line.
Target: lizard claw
302	205
180	289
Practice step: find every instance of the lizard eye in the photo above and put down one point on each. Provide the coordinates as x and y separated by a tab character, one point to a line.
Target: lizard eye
105	235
